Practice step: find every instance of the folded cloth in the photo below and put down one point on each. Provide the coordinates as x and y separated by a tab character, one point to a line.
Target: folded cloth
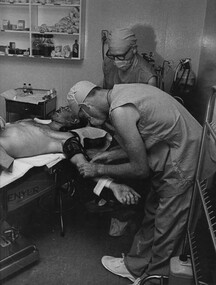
42	121
117	228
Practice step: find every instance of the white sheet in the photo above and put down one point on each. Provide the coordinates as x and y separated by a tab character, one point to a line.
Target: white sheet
22	165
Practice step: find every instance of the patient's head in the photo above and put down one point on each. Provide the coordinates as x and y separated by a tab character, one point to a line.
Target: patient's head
65	116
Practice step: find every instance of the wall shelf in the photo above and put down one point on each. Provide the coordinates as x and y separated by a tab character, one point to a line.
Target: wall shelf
42	28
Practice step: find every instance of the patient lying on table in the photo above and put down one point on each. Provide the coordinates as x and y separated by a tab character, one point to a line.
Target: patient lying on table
26	138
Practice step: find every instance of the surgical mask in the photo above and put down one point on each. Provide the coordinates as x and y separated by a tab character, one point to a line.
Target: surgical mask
95	122
123	64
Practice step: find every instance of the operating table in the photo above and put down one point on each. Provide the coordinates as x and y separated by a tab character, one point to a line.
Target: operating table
30	179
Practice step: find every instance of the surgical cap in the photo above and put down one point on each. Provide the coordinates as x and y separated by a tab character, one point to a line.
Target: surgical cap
120	40
77	95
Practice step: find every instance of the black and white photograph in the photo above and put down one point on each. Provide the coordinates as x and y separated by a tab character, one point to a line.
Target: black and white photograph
107	142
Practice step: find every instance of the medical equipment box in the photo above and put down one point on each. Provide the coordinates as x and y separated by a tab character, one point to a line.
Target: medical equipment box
180	272
15	252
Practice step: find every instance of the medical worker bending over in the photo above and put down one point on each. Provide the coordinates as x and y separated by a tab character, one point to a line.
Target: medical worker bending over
160	138
123	64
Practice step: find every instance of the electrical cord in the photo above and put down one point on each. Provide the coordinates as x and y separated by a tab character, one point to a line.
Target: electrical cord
104	36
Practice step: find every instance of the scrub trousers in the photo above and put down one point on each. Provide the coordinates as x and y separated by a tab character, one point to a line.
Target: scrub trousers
161	235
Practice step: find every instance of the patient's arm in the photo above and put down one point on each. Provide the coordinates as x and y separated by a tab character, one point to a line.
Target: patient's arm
123	193
78	159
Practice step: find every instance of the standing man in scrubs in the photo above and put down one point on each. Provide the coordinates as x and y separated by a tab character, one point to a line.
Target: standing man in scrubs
123	64
160	139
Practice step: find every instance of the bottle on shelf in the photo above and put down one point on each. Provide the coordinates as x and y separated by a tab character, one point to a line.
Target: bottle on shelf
48	45
24	88
75	49
30	89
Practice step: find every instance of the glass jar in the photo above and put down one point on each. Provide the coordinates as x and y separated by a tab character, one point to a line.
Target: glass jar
37	45
48	45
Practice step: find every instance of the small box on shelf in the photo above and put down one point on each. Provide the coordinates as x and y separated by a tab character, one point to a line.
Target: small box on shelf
5	24
21	25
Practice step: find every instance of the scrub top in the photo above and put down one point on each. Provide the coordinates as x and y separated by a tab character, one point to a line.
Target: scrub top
140	72
170	133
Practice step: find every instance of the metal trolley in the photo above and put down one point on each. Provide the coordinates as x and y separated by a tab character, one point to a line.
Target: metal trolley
201	231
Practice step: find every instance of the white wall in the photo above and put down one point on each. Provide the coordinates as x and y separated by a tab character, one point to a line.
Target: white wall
172	29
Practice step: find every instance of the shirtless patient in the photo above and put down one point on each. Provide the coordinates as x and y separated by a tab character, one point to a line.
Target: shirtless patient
28	137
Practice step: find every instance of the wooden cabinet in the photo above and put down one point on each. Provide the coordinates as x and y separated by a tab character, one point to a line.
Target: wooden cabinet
42	28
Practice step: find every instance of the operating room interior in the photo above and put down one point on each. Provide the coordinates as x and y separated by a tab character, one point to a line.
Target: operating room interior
70	246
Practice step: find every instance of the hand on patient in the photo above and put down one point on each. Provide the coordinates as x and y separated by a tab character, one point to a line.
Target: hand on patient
124	194
88	169
2	123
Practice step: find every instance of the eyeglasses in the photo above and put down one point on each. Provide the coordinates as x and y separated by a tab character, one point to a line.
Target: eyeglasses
119	56
87	116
